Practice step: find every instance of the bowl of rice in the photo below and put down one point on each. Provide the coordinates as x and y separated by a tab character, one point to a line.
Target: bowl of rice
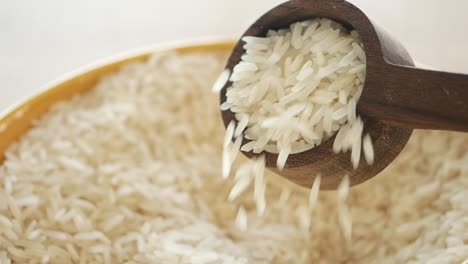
121	163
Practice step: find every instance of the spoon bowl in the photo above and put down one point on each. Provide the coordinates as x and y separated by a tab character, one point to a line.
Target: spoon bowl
390	105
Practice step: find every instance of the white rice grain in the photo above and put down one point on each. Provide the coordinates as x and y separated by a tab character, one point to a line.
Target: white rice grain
344	216
221	81
314	192
241	219
368	149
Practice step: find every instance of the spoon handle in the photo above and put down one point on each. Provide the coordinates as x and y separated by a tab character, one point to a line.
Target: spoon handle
418	98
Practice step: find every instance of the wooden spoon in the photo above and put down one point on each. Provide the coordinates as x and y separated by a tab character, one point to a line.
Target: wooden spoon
397	97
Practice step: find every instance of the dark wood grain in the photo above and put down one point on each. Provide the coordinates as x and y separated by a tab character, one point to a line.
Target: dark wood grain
418	98
385	112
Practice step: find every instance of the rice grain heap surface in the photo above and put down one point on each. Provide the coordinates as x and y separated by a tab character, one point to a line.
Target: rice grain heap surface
296	87
130	173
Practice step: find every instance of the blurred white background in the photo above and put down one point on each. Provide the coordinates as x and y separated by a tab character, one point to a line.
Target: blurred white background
42	40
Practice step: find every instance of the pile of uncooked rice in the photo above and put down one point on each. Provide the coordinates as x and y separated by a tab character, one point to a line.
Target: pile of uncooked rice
297	87
130	173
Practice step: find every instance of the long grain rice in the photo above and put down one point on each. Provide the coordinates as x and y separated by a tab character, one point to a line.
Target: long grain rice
313	91
153	192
